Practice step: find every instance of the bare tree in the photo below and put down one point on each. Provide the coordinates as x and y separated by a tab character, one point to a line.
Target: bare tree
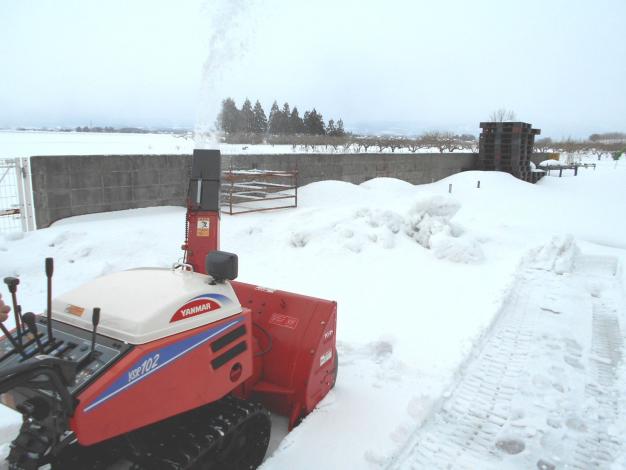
502	115
395	143
598	150
430	140
544	145
442	141
366	143
471	145
451	142
336	141
414	144
382	143
347	144
572	148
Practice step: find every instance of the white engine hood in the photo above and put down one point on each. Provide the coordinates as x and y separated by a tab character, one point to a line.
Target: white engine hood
143	305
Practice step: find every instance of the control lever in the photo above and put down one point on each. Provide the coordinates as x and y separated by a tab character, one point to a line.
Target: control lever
31	323
18	310
12	283
16	345
95	319
49	271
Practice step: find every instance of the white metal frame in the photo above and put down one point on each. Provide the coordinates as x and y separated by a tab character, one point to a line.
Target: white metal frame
16	192
26	196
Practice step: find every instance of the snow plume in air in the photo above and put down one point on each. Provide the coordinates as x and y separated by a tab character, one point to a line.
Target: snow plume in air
229	31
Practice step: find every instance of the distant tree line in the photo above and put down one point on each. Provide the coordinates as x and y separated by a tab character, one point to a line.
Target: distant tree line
573	148
443	142
350	143
609	137
123	130
286	121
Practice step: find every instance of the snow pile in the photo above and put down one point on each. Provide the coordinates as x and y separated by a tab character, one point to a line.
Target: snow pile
349	230
458	250
370	226
559	255
430	216
430	224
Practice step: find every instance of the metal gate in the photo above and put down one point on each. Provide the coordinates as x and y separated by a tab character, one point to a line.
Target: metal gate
16	207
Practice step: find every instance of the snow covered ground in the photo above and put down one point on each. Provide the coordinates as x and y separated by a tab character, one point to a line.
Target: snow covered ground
14	144
545	390
432	289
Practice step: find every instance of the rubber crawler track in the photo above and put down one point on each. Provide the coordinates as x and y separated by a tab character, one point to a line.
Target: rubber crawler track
228	435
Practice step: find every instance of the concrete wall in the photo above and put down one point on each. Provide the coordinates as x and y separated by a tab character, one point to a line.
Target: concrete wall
357	168
76	185
65	186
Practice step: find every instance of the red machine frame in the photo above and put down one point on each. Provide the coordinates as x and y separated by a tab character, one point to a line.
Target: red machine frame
295	361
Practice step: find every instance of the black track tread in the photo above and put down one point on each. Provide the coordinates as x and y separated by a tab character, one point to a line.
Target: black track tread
196	440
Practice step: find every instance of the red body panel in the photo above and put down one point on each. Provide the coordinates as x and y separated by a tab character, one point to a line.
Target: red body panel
163	378
299	369
296	366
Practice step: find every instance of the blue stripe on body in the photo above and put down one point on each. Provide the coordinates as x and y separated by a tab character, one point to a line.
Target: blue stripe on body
160	358
219	297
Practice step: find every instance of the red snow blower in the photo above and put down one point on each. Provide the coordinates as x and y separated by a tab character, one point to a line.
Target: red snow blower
175	369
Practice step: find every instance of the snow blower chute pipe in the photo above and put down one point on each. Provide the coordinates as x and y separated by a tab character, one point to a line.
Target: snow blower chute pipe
203	206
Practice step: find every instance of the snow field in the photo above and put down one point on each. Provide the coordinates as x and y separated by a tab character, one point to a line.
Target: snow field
15	144
419	276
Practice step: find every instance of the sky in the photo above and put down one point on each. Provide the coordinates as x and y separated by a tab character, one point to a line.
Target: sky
392	65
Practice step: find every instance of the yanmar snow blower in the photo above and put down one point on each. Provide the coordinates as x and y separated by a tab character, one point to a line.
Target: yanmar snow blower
153	369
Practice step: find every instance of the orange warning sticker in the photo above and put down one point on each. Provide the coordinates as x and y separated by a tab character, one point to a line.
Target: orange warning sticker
75	310
203	227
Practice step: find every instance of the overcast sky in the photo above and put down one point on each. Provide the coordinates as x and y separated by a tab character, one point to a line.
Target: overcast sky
378	64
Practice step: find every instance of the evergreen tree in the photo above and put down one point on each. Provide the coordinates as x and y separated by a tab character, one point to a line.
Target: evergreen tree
228	119
306	122
283	121
247	117
285	114
259	125
296	125
330	128
340	131
314	123
274	119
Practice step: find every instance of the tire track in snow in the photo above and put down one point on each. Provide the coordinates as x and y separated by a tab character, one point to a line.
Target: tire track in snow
599	448
518	403
464	430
